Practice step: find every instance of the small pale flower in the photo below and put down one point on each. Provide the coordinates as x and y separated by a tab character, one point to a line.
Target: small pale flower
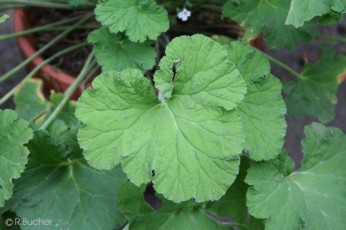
184	14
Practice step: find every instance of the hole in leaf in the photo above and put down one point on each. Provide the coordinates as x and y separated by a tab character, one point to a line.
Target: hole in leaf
151	199
174	69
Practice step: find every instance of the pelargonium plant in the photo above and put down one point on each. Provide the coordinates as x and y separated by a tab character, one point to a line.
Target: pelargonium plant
183	128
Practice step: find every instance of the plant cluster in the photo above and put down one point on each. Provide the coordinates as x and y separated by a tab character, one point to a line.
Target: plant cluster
185	133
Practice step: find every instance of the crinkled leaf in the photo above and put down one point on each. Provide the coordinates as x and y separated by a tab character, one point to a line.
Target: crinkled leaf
61	187
30	101
233	204
262	113
269	17
302	11
198	66
3	18
250	63
263	108
141	216
314	93
311	198
187	145
139	21
188	150
116	53
13	155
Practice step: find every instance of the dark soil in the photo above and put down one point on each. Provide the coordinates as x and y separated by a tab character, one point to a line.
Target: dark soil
71	63
208	23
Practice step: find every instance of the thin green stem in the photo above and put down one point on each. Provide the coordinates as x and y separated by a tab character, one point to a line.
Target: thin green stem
9	94
330	38
44	48
20	4
45	4
86	27
39	28
89	64
283	66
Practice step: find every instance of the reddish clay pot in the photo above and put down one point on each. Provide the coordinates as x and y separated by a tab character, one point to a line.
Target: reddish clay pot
53	78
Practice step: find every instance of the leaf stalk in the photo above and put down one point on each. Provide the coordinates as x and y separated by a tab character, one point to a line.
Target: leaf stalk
9	94
283	66
89	64
43	49
330	38
39	28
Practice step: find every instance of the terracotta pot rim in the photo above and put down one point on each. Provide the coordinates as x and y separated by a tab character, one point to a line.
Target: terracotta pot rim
28	49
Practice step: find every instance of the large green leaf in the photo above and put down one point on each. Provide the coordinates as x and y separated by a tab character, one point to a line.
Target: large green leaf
302	11
186	144
13	155
59	186
314	93
116	53
140	20
269	17
263	108
30	101
311	198
141	216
